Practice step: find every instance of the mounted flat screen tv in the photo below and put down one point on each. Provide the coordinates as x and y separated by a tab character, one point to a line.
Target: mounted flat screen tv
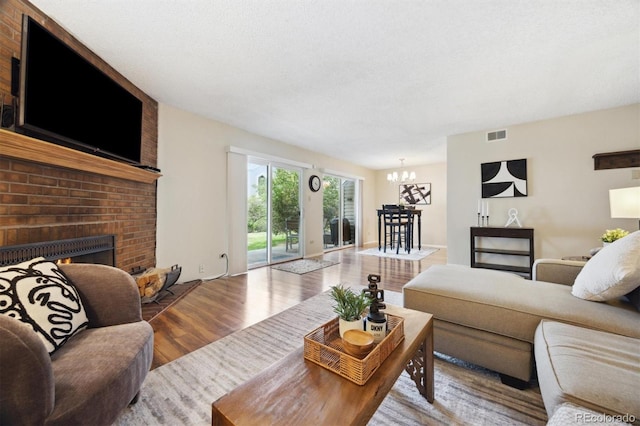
66	100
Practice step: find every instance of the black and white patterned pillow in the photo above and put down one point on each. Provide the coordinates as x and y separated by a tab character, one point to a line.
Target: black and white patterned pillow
39	294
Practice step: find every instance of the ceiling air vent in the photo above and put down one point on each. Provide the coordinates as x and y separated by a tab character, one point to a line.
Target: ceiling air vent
498	135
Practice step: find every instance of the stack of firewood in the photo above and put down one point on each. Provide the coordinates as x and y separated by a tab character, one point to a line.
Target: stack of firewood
151	281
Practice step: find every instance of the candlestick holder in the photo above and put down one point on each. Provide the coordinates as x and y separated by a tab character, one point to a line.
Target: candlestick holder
479	223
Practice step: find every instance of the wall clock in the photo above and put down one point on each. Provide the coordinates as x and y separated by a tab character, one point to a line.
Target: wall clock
314	183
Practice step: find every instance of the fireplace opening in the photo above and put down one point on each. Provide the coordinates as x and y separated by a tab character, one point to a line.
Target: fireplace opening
99	249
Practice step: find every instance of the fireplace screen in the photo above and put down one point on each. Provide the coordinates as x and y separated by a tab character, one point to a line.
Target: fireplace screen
99	249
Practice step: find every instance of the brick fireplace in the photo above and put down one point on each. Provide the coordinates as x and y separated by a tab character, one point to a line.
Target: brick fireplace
49	193
42	203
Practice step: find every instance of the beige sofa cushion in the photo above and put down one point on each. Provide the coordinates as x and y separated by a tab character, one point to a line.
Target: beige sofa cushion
613	272
509	305
593	369
570	414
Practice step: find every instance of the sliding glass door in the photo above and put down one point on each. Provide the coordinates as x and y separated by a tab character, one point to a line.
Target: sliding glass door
273	213
339	211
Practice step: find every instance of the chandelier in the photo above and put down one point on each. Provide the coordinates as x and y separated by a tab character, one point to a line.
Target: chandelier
402	176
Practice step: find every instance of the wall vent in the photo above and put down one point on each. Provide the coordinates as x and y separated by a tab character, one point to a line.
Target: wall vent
498	135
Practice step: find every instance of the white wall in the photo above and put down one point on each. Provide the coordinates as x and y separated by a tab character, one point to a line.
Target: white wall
434	215
194	222
568	204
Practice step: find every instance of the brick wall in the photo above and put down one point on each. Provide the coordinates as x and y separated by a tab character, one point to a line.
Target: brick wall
39	202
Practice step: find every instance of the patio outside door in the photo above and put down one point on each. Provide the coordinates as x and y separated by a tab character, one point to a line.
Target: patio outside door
273	213
339	211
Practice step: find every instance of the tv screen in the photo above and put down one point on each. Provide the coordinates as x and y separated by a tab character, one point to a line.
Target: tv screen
67	100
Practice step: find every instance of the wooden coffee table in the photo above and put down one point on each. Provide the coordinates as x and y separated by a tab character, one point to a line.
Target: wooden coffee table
297	391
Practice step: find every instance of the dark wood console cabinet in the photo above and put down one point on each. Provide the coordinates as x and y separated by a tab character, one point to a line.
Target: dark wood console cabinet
488	232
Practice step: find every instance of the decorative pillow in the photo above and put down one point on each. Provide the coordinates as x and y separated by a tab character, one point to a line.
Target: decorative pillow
613	272
39	294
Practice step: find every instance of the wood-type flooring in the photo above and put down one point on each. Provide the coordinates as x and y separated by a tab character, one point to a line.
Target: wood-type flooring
220	307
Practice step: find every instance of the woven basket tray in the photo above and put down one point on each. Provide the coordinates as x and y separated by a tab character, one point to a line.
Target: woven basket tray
323	346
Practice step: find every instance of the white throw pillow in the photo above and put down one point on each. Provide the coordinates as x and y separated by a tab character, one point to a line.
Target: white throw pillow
37	293
613	272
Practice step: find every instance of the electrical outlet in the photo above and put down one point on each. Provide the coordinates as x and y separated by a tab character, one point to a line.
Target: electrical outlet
201	268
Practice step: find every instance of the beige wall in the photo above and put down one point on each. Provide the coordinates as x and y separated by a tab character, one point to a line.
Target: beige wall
434	215
195	223
568	204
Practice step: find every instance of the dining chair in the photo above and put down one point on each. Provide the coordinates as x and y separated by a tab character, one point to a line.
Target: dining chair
291	229
388	229
397	226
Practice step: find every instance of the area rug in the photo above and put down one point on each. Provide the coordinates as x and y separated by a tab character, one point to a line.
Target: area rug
391	254
303	266
182	391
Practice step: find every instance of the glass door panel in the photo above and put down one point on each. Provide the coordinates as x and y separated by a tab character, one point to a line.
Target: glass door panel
339	211
257	214
348	211
285	209
273	213
331	211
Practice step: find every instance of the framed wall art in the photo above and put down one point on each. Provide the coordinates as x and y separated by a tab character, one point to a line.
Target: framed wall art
504	179
415	193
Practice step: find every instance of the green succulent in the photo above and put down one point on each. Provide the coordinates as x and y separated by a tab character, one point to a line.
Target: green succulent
350	305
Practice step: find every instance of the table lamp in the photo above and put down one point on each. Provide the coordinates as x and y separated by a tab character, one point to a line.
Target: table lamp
625	203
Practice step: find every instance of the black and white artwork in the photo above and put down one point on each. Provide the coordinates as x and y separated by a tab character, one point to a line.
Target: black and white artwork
415	193
504	179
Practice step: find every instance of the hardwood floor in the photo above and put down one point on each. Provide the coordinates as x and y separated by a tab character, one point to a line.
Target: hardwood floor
220	307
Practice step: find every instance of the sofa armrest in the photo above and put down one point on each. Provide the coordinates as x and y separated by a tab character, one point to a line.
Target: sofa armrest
109	295
27	389
556	270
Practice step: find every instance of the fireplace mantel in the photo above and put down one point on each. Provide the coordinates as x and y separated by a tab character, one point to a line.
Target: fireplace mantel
24	147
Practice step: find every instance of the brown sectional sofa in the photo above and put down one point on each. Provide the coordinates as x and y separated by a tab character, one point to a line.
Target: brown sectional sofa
494	319
97	372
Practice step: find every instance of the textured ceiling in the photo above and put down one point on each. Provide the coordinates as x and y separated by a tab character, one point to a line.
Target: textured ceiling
368	81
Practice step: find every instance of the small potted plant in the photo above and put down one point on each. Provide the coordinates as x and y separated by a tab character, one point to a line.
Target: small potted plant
612	235
350	307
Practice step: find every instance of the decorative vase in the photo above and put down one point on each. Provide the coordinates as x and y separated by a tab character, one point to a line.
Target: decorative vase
605	243
349	325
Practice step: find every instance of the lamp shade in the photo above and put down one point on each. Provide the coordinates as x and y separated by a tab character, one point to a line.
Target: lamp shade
625	202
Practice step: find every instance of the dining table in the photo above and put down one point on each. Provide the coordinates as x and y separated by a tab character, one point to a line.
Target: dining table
414	213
